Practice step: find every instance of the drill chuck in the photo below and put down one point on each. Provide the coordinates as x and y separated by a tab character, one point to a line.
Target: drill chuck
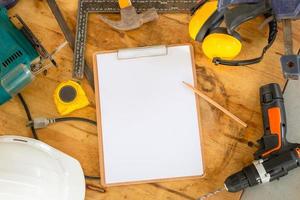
263	171
246	178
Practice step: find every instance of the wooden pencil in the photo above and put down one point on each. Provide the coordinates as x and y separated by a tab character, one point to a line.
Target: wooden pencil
209	100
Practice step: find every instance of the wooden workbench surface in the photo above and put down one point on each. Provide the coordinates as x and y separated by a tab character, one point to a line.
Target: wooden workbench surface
226	147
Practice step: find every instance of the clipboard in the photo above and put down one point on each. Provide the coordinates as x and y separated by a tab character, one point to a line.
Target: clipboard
148	131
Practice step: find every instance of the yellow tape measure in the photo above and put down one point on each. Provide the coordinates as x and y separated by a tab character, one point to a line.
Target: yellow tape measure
69	96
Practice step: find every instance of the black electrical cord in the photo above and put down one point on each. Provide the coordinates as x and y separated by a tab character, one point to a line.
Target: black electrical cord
92	177
64	119
34	134
285	86
198	5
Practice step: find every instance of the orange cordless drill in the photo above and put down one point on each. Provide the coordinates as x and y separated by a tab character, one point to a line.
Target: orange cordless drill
276	156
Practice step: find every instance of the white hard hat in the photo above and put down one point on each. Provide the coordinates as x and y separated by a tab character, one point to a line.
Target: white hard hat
32	170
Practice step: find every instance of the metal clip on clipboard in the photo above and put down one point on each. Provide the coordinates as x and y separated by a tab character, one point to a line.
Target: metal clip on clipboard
140	52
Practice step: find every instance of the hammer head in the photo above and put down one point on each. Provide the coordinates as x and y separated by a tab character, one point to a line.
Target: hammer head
130	19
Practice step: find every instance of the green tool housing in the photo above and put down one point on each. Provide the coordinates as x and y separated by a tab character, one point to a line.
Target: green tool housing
16	56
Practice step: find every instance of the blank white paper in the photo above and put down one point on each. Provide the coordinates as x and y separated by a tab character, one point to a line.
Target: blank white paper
149	119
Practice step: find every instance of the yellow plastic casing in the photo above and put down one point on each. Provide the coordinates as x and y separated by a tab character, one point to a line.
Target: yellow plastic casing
124	3
80	101
221	45
201	16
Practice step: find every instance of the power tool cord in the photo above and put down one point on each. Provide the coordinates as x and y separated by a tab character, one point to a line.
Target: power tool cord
28	113
43	122
92	177
54	120
62	119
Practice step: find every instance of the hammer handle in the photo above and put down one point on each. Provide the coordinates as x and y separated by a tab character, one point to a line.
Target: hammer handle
124	3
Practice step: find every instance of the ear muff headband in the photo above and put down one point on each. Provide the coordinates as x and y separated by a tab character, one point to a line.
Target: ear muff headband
273	30
224	30
213	22
201	20
207	18
197	6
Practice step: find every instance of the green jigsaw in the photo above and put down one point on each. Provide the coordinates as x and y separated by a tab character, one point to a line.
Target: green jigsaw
21	56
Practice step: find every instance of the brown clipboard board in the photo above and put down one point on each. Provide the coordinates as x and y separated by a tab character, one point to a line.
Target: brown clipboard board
99	124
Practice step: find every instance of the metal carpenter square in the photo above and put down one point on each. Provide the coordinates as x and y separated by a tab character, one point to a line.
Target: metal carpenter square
162	6
69	37
111	6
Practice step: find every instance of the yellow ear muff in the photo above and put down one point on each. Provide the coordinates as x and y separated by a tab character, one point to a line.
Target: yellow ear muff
221	45
200	17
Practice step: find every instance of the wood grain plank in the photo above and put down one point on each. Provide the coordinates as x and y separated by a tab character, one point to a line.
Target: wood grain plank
226	148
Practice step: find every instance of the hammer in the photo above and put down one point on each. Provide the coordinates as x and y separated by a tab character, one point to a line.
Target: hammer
130	19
